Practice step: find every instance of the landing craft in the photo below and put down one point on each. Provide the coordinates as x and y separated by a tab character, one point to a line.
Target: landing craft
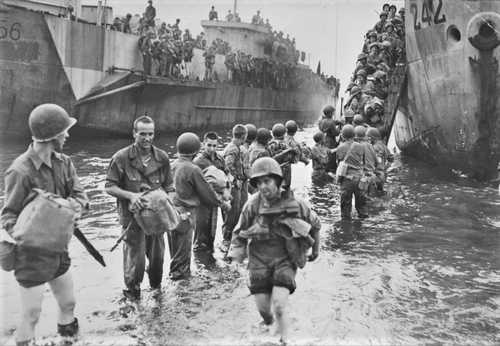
95	72
449	110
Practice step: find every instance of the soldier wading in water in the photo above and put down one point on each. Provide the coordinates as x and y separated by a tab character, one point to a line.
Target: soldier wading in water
43	166
276	229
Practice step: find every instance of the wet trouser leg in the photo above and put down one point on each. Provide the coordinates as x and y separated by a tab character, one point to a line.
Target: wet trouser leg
134	257
203	233
263	302
31	307
62	288
346	192
155	252
360	201
231	217
180	242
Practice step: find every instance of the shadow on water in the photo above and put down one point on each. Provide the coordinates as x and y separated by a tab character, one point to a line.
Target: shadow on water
423	269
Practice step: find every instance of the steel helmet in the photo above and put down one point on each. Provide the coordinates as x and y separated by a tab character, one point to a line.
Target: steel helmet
291	127
349	113
328	110
362	56
188	144
278	130
388	24
355	90
372	34
262	167
47	121
318	137
361	73
373	132
263	136
347	131
360	131
358	119
374	44
383	14
251	132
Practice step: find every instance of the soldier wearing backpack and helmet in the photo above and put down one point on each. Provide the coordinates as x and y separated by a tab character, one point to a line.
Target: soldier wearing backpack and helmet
45	167
275	230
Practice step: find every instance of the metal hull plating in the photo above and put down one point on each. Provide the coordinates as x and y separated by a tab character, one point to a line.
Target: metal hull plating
51	59
450	113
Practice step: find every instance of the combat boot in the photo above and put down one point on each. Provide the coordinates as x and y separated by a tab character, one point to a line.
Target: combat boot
70	329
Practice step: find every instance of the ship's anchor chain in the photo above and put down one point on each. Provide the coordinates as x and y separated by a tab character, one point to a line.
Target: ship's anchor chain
486	151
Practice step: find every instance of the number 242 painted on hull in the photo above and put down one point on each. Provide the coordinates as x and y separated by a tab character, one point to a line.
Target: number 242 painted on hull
429	15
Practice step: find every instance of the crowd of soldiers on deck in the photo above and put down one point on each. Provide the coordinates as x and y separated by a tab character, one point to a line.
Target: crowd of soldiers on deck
383	50
166	50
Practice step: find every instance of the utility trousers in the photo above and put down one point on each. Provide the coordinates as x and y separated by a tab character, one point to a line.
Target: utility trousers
136	247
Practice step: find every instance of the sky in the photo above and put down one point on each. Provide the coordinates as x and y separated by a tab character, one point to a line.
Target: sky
330	31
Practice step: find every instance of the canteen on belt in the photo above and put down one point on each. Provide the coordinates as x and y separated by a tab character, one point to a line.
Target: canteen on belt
47	222
159	215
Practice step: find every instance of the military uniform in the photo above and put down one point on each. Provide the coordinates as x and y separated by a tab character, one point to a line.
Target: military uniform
234	160
256	151
384	157
353	154
35	267
274	253
128	172
206	216
319	156
191	191
276	146
329	127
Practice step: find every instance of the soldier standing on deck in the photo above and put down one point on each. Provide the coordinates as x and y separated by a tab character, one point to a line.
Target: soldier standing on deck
233	157
150	14
45	167
134	169
191	191
206	216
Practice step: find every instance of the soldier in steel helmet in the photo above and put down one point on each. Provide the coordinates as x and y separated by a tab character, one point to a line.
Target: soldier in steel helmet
384	157
259	149
245	148
45	167
300	150
275	230
330	127
235	163
320	156
139	167
351	153
191	191
379	27
206	216
281	153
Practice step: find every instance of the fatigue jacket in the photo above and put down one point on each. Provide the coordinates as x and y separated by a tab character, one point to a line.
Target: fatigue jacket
27	172
127	171
233	157
319	155
329	127
256	151
191	188
353	157
204	160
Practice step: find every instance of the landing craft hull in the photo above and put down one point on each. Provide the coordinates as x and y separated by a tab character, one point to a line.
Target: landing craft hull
44	58
450	113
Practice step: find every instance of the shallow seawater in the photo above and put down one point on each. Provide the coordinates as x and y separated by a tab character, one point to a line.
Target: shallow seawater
423	269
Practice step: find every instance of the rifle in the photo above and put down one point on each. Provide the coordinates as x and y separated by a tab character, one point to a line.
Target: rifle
90	248
122	236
